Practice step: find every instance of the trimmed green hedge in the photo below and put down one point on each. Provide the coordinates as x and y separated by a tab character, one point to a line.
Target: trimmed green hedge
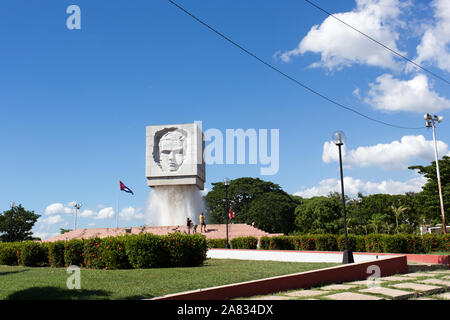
217	243
122	252
244	243
381	243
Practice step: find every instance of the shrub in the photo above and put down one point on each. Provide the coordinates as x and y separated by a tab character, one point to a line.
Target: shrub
73	253
279	243
8	253
397	243
146	250
185	250
264	242
304	242
32	254
432	242
356	243
414	244
374	243
55	253
244	243
326	242
217	243
446	242
93	253
114	253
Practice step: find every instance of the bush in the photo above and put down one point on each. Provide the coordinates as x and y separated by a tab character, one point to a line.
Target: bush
244	243
73	253
147	251
55	253
114	253
326	242
217	243
185	250
32	254
395	243
374	243
433	242
277	243
356	243
304	242
8	253
93	253
414	244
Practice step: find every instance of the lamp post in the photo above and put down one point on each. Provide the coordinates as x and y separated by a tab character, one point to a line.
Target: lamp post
226	182
429	122
339	139
77	207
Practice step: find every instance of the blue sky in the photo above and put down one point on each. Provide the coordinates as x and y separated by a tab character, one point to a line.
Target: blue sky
74	103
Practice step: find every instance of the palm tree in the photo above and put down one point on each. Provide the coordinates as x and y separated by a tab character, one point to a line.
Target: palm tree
398	211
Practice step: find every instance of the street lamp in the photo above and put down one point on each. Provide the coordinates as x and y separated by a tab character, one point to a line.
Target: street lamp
339	139
77	207
226	182
429	122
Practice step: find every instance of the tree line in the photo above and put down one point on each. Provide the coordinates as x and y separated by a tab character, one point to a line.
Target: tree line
273	210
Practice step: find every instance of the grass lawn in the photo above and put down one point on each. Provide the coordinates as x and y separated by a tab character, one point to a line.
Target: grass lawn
50	283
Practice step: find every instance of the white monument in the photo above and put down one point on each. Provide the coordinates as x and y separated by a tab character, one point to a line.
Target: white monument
174	155
176	172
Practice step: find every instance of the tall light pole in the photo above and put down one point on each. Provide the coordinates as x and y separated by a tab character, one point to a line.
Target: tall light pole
77	207
339	140
429	122
226	182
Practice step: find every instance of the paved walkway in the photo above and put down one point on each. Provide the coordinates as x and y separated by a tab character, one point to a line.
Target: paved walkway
421	285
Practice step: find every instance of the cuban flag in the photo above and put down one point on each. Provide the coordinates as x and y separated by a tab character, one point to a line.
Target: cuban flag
125	188
231	213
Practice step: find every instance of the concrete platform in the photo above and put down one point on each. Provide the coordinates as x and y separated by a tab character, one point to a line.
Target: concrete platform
423	288
445	283
393	293
335	287
306	293
352	296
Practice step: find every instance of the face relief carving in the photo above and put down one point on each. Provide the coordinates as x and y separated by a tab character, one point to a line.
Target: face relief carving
171	150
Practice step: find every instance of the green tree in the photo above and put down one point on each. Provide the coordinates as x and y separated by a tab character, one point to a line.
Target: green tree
273	212
241	194
16	224
429	196
62	230
398	212
319	215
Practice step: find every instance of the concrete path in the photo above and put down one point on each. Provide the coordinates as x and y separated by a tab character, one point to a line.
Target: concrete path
431	285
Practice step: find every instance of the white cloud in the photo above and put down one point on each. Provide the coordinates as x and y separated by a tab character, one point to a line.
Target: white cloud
105	213
131	213
58	208
435	44
394	155
353	186
53	219
415	95
341	46
87	213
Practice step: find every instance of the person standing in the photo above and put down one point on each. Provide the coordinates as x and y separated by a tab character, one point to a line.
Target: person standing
188	224
202	222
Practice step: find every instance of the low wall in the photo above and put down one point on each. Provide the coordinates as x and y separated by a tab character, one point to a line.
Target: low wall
318	256
389	265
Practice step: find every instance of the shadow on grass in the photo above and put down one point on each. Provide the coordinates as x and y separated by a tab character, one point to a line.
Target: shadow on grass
55	293
11	272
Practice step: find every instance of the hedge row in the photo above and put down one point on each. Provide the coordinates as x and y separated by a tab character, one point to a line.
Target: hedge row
122	252
400	243
235	243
